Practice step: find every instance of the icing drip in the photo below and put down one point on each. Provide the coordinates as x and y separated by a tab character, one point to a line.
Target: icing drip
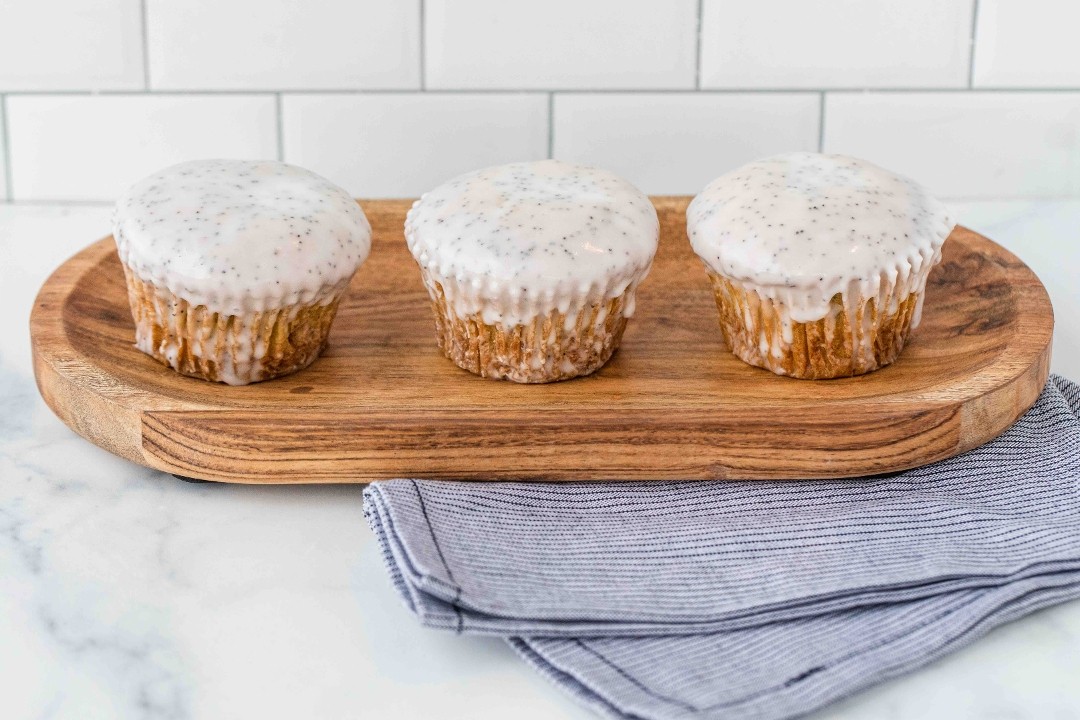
518	241
801	228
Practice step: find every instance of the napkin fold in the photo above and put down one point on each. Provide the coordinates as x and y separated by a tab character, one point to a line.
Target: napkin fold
746	599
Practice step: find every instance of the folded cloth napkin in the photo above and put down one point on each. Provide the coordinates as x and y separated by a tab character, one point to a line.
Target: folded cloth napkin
746	599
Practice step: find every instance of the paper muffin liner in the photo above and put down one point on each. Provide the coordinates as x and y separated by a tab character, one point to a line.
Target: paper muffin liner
856	336
549	347
235	349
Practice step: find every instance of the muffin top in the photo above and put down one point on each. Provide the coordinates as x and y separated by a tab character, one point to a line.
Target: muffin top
519	240
815	224
238	235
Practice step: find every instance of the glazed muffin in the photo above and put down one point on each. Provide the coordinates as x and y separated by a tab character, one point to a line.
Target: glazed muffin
532	267
234	268
818	262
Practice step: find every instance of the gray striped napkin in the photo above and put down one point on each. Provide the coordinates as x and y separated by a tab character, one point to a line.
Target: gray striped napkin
746	599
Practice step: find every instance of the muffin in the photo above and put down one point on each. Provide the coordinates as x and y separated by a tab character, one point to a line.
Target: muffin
532	267
234	268
818	262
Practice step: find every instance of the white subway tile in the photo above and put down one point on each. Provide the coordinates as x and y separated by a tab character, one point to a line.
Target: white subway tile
283	44
3	157
835	43
1027	43
75	147
71	45
567	44
964	144
675	143
401	145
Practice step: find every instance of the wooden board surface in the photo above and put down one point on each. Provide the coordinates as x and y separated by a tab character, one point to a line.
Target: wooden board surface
673	402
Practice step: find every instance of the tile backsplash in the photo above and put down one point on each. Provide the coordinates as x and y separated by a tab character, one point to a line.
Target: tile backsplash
282	44
976	98
401	144
980	144
1027	43
92	146
835	44
678	142
71	45
563	44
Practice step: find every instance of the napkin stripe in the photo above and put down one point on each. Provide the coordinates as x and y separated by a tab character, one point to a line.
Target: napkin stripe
442	557
562	661
633	680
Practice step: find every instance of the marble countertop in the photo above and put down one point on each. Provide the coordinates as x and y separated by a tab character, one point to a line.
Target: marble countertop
125	593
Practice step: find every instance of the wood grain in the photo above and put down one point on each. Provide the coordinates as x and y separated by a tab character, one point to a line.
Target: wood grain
673	402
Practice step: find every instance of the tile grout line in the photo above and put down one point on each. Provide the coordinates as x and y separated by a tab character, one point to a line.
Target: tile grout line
697	51
960	89
971	49
993	198
280	126
551	126
423	45
5	148
821	122
37	202
145	47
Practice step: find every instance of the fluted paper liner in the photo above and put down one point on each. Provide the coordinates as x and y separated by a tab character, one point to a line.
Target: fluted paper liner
234	349
545	349
852	339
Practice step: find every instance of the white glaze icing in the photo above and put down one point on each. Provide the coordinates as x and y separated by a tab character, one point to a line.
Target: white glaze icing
518	241
241	236
800	228
245	337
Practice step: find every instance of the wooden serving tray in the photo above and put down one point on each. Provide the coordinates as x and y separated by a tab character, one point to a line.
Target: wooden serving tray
673	403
